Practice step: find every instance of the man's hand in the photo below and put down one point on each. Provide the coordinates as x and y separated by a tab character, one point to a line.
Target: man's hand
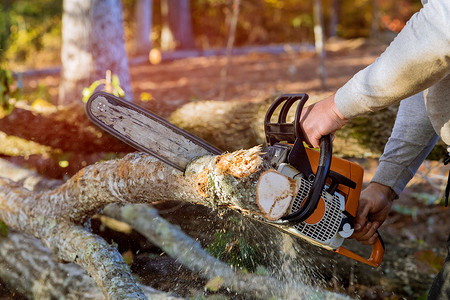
320	119
374	206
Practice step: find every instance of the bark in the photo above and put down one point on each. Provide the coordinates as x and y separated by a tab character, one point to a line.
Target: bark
334	18
189	253
65	128
167	38
216	182
176	32
374	26
92	43
127	181
181	24
31	269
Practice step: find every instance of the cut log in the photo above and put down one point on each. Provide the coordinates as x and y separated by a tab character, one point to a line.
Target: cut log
274	194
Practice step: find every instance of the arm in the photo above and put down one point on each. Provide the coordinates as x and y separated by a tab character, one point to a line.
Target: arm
412	139
418	58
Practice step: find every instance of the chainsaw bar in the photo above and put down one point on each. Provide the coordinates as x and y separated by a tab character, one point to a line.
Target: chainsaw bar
146	131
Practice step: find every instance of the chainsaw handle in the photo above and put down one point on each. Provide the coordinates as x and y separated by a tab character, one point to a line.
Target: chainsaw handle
281	131
323	170
292	133
375	257
298	157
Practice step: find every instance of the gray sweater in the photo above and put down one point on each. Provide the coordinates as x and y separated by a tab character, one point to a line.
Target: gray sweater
417	60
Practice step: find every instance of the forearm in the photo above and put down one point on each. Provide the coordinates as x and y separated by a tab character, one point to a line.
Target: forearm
415	60
412	139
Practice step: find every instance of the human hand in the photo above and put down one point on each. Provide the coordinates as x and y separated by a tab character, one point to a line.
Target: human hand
374	206
320	119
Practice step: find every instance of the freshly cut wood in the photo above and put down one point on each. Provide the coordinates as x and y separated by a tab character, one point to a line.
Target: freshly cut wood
274	194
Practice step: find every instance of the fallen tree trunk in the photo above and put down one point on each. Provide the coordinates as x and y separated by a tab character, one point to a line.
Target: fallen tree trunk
229	125
30	268
65	129
55	216
132	179
141	179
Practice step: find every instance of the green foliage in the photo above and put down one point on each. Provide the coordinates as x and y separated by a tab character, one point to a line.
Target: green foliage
405	210
29	27
3	229
426	198
111	85
235	251
6	80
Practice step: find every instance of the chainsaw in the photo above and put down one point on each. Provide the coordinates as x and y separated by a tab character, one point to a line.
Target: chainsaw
326	202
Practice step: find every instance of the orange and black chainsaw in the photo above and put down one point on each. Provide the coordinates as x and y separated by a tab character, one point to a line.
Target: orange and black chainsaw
327	199
326	203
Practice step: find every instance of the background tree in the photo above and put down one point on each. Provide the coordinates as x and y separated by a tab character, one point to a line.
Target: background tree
92	43
230	43
319	41
176	25
144	21
334	18
375	28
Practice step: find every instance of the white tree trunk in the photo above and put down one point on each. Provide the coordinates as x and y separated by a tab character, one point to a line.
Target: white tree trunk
92	43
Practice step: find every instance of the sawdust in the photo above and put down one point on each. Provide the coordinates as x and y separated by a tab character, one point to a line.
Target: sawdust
241	163
202	182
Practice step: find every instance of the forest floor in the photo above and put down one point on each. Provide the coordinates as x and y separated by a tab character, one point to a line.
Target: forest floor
416	216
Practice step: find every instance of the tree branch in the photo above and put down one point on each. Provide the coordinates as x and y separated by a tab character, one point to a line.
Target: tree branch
188	252
31	269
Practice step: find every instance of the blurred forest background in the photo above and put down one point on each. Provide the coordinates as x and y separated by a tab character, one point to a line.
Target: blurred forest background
30	31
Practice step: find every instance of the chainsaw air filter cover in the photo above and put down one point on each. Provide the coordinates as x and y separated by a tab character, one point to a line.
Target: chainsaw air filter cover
328	225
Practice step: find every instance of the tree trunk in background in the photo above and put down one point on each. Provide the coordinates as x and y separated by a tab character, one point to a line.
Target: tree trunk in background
334	18
167	38
92	43
181	24
374	30
144	20
230	43
319	40
176	25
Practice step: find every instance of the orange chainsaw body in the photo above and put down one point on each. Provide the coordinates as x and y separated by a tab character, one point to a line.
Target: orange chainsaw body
349	169
325	206
354	172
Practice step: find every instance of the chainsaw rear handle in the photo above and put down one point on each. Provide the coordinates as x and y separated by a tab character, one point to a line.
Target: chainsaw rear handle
323	169
292	132
375	257
281	131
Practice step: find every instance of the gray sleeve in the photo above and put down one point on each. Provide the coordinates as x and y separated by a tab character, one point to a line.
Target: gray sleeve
417	58
437	102
412	139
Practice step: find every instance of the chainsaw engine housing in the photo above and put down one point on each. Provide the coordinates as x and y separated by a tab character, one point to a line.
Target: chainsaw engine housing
332	220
